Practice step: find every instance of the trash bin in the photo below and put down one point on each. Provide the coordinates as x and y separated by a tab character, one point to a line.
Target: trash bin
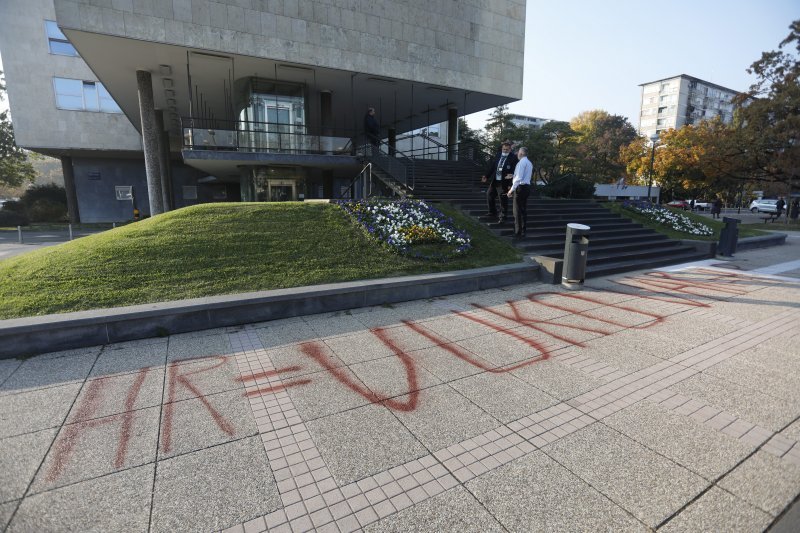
576	248
728	237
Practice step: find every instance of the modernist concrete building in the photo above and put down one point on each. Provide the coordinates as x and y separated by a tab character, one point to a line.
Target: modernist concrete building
674	102
245	99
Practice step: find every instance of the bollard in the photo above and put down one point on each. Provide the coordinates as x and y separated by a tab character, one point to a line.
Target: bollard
19	232
113	225
70	232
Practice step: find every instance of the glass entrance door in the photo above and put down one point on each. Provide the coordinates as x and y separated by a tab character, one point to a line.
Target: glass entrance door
281	191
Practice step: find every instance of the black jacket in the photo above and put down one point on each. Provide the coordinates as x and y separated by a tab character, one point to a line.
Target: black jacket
371	126
508	168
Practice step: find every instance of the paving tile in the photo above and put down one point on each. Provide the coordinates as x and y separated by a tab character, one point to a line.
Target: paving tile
283	333
534	493
87	450
558	379
6	510
444	417
77	352
648	342
689	329
130	357
773	373
764	481
34	410
694	446
717	510
333	324
118	393
362	442
454	510
117	502
38	373
359	347
20	457
202	376
197	345
456	328
388	377
644	483
328	393
8	367
502	349
214	488
613	352
447	366
293	357
739	400
504	396
792	431
198	423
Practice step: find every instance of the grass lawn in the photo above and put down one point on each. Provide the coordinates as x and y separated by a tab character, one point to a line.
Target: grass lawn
216	249
716	225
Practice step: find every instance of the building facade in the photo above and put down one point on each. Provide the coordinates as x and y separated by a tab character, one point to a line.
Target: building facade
525	121
175	102
680	100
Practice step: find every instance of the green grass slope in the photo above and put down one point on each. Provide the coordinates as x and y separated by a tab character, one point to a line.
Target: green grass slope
215	249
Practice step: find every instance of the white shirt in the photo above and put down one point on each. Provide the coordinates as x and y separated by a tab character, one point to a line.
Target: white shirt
522	173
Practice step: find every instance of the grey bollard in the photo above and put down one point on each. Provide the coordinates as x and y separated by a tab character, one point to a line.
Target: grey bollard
19	233
70	232
576	250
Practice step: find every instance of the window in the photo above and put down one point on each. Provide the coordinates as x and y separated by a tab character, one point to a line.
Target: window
83	95
57	41
124	192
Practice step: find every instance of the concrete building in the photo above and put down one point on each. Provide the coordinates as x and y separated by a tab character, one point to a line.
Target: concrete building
674	102
528	121
195	100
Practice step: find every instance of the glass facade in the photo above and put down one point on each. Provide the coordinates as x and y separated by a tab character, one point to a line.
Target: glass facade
274	117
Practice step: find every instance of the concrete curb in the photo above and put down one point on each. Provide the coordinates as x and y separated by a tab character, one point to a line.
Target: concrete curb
762	241
40	334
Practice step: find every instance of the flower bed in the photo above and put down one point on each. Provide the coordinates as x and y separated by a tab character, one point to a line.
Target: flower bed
409	227
669	218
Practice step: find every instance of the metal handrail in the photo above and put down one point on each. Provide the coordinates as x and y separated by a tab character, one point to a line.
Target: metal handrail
357	177
392	161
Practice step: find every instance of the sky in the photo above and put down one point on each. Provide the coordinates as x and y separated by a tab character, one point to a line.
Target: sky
589	54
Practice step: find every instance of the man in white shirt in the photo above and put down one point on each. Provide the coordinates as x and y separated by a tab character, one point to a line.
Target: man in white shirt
520	190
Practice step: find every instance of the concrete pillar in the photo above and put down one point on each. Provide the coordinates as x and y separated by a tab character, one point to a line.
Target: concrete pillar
392	141
150	141
327	183
452	134
326	112
69	186
163	159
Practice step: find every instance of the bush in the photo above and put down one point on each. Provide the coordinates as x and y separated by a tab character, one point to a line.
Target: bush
569	187
47	211
50	193
11	219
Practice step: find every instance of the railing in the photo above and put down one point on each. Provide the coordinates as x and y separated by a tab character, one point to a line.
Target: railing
365	176
269	137
398	166
431	148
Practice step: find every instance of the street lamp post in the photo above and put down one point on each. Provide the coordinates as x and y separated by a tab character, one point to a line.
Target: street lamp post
653	140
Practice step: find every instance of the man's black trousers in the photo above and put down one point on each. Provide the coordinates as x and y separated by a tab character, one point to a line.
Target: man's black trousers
496	188
521	209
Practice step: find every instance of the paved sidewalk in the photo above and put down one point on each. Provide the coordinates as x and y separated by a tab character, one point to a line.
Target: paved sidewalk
653	400
34	240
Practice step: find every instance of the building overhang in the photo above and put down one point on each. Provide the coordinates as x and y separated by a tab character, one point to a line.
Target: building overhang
187	81
228	165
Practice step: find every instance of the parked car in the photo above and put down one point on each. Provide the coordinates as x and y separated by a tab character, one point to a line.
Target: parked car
702	205
679	204
764	206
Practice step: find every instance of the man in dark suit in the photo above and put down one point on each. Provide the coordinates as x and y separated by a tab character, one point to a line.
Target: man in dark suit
498	177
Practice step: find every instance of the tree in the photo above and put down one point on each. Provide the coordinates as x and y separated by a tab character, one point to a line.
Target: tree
499	127
551	148
467	134
15	169
600	138
770	113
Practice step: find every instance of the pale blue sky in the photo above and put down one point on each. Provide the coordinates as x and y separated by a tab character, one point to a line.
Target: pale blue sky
583	54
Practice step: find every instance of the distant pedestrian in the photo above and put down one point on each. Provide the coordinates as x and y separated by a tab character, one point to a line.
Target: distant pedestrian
779	207
795	211
621	183
498	175
716	208
691	205
372	129
520	190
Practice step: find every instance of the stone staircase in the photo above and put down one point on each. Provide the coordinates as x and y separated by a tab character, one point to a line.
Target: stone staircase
616	244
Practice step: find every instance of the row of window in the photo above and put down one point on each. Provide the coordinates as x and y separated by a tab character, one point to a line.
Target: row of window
83	96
